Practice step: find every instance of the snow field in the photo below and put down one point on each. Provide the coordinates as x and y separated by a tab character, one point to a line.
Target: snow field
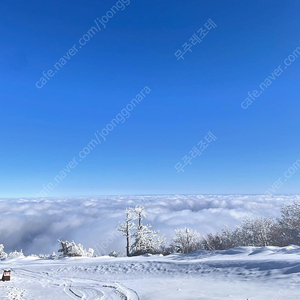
267	273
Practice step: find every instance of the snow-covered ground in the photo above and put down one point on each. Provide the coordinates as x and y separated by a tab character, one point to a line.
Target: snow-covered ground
268	273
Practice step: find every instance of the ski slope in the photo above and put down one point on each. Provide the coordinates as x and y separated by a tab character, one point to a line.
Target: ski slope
240	273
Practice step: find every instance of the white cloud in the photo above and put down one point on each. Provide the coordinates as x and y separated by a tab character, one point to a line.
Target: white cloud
34	226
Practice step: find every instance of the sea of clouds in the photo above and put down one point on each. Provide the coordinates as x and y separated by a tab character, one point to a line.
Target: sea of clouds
35	225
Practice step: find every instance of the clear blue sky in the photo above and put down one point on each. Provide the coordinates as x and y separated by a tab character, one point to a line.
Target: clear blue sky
43	129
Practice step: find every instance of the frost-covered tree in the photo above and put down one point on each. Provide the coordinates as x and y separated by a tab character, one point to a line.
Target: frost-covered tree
71	249
256	232
277	238
2	253
127	227
219	241
139	212
16	254
264	231
186	240
147	240
290	223
212	242
227	238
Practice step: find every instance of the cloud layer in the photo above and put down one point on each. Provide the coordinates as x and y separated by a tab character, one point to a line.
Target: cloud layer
35	225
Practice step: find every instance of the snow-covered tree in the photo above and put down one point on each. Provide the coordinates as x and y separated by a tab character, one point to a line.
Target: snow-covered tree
139	212
227	238
256	232
16	254
71	249
186	240
212	242
2	253
147	240
127	227
290	223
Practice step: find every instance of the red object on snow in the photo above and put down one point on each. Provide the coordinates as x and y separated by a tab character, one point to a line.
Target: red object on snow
6	275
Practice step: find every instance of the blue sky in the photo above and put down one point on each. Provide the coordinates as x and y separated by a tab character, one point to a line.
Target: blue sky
43	129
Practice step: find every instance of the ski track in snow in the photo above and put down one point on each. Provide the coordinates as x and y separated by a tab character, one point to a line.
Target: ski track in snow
13	293
79	288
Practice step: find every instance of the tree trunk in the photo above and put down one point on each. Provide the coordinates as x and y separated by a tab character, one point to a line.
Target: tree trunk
140	220
127	234
127	246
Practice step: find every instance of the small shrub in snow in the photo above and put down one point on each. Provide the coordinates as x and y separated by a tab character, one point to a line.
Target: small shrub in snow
115	254
72	250
44	256
48	256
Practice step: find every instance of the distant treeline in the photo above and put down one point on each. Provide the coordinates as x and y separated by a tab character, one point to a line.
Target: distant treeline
257	232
